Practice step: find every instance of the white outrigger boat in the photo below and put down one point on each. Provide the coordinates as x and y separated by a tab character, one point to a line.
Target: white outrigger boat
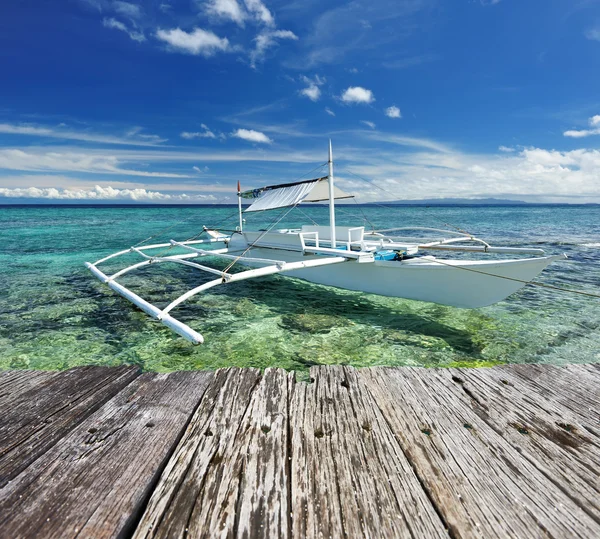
345	257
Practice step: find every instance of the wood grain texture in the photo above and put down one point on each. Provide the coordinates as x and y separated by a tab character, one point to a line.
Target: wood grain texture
572	388
349	475
474	472
96	480
39	412
14	383
547	435
199	491
512	451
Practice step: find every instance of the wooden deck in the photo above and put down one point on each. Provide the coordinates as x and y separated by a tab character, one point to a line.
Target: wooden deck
384	452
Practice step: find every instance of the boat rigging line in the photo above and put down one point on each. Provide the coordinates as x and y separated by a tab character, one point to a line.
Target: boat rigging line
541	285
393	195
269	228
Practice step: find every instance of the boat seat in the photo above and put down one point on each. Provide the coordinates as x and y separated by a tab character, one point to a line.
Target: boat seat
342	233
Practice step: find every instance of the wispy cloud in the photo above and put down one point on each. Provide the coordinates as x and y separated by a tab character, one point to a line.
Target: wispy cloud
329	111
266	40
359	27
410	142
126	9
100	193
16	159
205	133
368	124
506	149
234	11
198	42
357	94
393	112
312	90
409	61
594	123
251	136
593	33
133	137
259	11
117	25
228	10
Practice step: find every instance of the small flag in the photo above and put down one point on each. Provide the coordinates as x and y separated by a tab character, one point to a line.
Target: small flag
239	188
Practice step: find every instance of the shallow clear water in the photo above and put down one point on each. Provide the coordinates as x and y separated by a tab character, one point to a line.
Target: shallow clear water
54	314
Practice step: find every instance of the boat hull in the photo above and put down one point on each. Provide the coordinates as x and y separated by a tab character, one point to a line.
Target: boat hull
458	283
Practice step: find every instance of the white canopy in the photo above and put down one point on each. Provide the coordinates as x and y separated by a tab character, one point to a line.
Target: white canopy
282	196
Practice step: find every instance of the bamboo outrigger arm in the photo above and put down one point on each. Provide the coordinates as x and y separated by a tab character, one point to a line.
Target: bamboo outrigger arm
163	315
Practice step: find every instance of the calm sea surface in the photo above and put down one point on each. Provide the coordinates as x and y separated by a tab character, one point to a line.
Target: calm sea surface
54	314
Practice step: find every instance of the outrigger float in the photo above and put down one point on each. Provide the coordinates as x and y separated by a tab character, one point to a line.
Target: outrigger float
375	262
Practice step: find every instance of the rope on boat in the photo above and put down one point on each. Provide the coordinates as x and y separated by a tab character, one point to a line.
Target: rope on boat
541	285
250	246
191	238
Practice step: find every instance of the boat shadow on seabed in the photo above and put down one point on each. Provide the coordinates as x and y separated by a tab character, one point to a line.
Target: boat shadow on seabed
311	308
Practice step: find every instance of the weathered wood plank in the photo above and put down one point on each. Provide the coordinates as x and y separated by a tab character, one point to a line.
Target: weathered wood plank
262	503
201	488
477	479
349	476
96	480
49	407
14	383
574	388
549	437
557	398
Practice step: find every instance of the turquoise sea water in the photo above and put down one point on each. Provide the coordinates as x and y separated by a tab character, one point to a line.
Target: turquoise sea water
54	314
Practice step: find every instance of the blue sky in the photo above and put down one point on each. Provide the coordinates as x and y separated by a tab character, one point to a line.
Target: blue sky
175	101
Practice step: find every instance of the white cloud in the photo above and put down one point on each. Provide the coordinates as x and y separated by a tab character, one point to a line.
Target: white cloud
226	9
251	135
593	34
393	112
133	136
260	12
266	40
329	111
312	91
533	174
206	133
126	9
99	193
117	25
594	123
231	10
198	42
506	149
15	159
368	124
200	170
357	94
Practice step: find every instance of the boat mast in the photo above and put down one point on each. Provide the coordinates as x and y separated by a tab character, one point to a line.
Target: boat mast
331	199
240	203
